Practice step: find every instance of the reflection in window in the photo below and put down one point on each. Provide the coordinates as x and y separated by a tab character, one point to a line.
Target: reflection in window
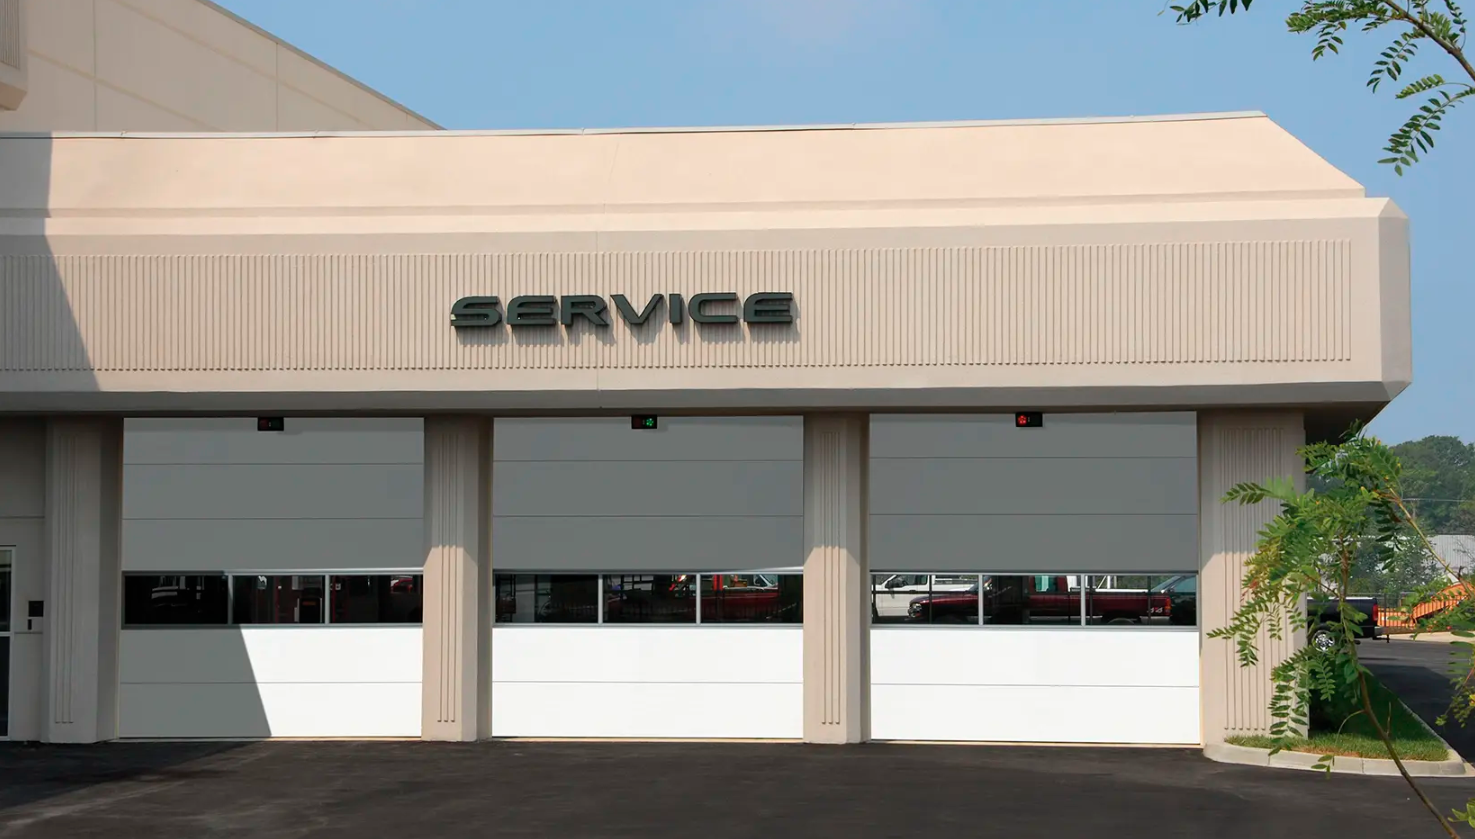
547	598
649	598
5	592
375	598
277	599
1031	600
752	598
1142	600
175	600
924	598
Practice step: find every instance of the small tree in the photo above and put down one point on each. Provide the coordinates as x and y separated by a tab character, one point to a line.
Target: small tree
1353	515
1418	23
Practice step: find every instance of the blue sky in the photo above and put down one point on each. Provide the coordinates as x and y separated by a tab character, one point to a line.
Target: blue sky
577	63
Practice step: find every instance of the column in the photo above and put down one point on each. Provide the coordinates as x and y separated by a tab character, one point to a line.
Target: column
1232	448
837	616
83	533
456	691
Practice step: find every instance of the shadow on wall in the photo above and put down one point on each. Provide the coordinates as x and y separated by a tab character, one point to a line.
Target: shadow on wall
50	350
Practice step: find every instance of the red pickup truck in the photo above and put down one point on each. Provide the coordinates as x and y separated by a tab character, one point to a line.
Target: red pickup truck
1038	599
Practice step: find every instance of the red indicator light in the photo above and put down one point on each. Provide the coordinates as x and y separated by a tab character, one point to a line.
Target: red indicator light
1029	419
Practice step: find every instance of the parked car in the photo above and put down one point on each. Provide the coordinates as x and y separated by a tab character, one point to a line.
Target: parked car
1323	633
1182	604
892	596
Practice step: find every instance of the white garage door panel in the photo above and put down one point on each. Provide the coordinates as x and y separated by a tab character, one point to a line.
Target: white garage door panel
1087	685
647	681
271	682
571	709
1091	656
269	710
1035	714
710	654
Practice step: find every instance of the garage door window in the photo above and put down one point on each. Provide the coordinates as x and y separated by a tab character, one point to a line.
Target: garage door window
176	600
547	598
1118	600
745	598
375	598
277	599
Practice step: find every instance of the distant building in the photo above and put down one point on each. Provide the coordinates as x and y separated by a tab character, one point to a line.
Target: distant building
1457	551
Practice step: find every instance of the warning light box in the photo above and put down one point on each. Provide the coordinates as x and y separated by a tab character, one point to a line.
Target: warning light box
645	422
1029	419
271	424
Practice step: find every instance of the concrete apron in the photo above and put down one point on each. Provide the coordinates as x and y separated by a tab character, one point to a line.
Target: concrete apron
1249	756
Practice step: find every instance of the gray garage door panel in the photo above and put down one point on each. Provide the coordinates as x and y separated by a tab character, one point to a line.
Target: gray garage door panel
666	488
629	543
306	441
1044	543
1064	435
274	491
676	438
272	544
1034	485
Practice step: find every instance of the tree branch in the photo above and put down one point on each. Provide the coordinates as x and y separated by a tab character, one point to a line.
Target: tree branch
1418	23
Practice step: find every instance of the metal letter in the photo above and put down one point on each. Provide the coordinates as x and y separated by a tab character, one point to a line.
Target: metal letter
532	310
585	306
628	312
769	307
676	308
699	302
476	311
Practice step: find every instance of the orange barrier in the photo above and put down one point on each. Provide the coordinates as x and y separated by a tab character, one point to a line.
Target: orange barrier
1396	618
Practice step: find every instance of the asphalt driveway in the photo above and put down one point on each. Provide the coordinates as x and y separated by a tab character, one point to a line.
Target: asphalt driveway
1416	672
709	791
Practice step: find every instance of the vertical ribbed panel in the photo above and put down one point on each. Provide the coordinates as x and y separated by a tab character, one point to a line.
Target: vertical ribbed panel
454	573
1066	305
1235	450
83	521
12	37
836	610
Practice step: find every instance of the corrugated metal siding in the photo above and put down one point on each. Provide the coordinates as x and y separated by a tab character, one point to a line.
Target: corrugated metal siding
1228	302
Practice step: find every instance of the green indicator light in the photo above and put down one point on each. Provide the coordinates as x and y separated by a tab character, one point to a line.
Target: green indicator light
643	423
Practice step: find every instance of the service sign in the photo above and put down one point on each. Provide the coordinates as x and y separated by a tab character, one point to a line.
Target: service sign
547	310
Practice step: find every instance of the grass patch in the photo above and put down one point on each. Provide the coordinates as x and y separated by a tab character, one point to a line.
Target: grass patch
1339	727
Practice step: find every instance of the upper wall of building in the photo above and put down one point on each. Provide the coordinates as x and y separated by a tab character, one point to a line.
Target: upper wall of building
170	65
1182	262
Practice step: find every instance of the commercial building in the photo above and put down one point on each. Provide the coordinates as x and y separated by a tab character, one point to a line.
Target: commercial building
908	432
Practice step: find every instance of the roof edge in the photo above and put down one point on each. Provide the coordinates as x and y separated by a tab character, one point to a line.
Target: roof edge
318	61
716	129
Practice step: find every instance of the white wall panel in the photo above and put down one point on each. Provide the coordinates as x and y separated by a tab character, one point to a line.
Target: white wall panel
271	682
645	681
697	494
1091	685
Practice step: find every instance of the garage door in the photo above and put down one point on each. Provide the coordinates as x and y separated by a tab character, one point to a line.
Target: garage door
271	583
1035	584
647	581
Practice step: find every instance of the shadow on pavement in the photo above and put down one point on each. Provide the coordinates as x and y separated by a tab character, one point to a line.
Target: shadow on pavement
32	772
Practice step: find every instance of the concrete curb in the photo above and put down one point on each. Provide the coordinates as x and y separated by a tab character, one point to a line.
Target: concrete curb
1248	756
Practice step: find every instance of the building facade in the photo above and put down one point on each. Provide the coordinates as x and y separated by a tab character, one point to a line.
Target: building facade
843	433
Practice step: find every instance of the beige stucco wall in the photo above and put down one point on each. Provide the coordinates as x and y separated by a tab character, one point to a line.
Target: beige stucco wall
938	267
174	65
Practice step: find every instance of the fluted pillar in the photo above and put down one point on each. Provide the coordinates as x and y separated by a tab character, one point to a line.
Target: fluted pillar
1233	448
837	617
456	688
84	515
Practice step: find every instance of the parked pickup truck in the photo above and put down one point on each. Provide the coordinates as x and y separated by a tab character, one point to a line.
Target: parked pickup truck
1322	621
1040	599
